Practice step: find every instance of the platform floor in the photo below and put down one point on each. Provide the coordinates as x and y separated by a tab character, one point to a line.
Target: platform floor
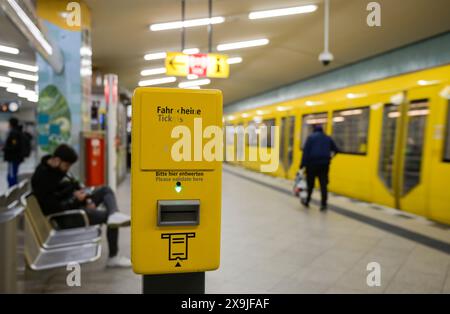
271	244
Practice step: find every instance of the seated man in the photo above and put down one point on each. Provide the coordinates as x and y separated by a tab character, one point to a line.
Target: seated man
57	191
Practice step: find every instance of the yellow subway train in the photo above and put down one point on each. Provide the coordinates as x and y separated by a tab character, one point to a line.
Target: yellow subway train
393	134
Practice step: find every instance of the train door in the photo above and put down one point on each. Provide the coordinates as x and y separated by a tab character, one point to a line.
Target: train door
287	143
403	153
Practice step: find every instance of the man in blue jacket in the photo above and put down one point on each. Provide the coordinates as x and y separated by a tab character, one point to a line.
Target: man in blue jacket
317	153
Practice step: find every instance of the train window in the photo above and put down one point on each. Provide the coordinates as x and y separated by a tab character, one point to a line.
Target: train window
252	134
266	136
230	134
287	141
239	143
291	140
447	137
350	130
387	147
308	123
415	140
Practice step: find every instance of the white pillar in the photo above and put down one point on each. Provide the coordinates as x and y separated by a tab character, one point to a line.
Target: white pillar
111	98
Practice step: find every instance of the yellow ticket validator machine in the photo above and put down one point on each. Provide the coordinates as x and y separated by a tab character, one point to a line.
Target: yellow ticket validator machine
176	184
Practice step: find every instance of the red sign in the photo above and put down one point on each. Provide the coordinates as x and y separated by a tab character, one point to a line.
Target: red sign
198	64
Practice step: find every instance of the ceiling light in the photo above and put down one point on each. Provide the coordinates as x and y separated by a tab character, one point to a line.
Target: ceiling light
85	51
155	56
282	12
25	93
86	71
19	66
154	71
243	44
31	27
230	118
194	83
159	81
234	60
259	112
313	103
13	106
398	99
244	115
426	83
353	96
14	88
282	108
258	119
5	79
86	62
188	23
33	98
192	77
445	92
191	51
10	50
27	77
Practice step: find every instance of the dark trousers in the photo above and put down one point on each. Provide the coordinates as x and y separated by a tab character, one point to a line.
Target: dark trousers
104	195
13	170
321	172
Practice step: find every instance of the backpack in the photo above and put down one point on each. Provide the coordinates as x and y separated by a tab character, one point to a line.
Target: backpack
25	138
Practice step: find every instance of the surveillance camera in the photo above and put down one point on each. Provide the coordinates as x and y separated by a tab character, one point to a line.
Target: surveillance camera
326	58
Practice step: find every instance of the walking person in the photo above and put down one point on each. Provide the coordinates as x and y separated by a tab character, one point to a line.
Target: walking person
13	151
318	150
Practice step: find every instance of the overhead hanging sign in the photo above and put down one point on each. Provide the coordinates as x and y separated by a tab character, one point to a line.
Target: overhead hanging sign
201	64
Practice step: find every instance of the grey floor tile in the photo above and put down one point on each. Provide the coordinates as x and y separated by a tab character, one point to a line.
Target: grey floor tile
270	244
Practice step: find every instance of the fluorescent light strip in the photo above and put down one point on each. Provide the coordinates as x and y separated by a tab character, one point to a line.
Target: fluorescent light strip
27	93
426	83
155	71
313	103
33	98
191	51
19	66
14	88
234	60
155	56
22	76
5	79
192	77
10	50
159	81
31	27
243	44
188	23
194	83
282	12
354	96
85	51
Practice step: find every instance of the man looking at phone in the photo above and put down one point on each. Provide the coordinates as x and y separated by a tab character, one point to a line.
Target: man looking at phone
56	191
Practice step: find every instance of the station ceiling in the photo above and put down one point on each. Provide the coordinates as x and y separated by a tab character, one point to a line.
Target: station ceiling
121	37
12	37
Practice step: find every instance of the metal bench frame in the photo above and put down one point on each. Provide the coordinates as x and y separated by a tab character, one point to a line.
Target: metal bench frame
47	247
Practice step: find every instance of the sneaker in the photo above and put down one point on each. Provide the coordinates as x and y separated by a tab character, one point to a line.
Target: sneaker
119	261
323	208
304	203
118	219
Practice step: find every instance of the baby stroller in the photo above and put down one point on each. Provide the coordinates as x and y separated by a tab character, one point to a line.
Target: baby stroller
300	187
